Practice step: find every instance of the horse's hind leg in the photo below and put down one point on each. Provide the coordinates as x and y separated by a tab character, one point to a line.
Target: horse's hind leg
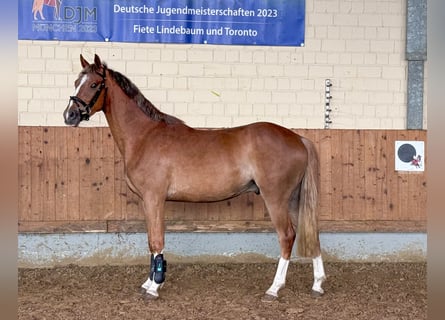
285	220
279	280
286	235
319	276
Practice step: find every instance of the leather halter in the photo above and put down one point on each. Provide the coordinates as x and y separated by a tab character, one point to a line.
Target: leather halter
85	111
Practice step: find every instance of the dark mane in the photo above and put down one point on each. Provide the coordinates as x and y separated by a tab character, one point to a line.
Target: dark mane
145	105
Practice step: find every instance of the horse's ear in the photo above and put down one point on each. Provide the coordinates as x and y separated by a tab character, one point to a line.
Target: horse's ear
97	61
83	62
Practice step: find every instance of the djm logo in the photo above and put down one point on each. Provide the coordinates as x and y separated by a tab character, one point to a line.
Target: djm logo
74	14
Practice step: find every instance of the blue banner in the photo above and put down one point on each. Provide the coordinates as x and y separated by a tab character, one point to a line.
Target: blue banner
231	22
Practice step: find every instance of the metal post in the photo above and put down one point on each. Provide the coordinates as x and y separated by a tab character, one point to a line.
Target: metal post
416	42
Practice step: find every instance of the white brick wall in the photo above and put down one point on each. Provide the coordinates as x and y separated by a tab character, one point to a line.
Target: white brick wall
358	44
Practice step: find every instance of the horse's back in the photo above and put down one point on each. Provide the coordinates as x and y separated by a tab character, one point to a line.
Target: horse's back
263	134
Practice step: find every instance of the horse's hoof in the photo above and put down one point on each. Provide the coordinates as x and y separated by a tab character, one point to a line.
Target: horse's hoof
143	290
150	297
316	294
269	298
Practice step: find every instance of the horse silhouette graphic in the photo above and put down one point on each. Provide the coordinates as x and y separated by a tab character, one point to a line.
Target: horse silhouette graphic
37	8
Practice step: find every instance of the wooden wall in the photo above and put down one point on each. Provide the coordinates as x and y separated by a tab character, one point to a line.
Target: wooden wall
72	180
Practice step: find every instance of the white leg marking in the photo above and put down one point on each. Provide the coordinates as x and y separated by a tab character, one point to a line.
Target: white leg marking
319	275
280	278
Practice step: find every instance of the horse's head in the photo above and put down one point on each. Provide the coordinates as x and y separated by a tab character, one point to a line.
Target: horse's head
90	92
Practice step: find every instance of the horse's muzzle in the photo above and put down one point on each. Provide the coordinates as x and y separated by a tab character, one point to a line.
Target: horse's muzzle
72	116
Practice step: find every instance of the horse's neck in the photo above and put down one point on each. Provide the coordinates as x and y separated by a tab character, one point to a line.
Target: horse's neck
127	122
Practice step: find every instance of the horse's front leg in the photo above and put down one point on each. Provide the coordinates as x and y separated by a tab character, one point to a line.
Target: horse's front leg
154	217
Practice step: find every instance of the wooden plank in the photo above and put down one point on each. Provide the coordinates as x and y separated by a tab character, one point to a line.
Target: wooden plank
249	202
61	175
220	226
240	208
174	210
107	175
200	211
403	187
195	226
392	208
68	226
49	174
216	226
326	193
416	185
358	163
258	208
347	200
422	183
387	162
73	173
380	175
94	180
370	175
24	174
373	226
37	175
337	175
85	164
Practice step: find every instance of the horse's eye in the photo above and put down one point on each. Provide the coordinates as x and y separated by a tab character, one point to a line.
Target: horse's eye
94	85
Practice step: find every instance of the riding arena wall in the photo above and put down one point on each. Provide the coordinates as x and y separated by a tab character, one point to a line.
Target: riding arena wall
71	180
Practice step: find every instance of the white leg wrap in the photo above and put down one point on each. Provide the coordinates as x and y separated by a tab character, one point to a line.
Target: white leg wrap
280	278
319	275
146	285
153	289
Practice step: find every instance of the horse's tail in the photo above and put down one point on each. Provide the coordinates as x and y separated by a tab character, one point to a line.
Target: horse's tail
307	229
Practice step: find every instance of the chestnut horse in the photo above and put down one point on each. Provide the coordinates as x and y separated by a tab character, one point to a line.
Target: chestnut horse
167	160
